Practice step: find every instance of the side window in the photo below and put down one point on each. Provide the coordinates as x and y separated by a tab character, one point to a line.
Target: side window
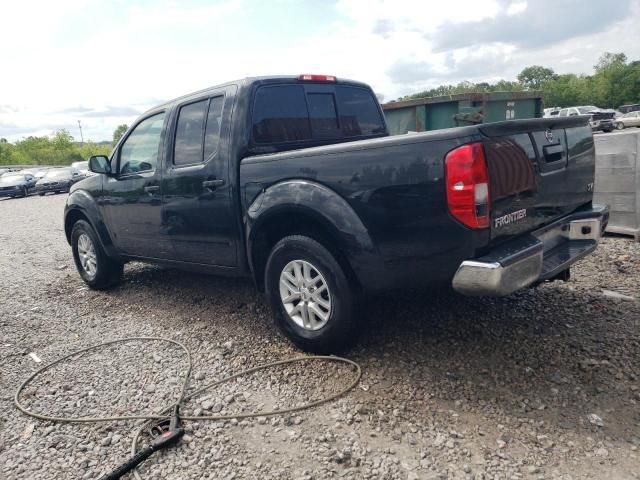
139	152
280	115
359	113
563	113
188	145
214	121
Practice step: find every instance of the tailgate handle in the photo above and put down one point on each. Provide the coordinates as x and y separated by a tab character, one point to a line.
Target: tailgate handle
553	153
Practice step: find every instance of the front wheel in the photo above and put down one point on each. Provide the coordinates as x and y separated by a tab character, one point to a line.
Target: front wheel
94	266
620	125
312	300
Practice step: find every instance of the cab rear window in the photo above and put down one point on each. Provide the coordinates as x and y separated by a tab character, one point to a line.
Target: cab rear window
290	113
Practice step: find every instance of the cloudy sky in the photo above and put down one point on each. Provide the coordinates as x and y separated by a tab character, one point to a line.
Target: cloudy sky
103	62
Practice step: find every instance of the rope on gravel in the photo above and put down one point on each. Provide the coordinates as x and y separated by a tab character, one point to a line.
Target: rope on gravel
183	397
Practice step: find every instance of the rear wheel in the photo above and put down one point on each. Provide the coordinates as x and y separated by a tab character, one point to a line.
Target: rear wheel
311	298
620	125
94	266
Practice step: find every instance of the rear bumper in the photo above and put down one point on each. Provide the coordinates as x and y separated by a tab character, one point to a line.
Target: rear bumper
538	256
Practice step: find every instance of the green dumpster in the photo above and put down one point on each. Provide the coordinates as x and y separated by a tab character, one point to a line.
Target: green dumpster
434	113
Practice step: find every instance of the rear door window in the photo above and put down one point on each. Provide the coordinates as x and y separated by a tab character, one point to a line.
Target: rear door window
214	121
188	144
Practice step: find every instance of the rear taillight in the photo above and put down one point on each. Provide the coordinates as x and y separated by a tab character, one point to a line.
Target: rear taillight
308	77
468	185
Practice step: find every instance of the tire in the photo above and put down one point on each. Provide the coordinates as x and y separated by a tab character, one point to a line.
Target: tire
96	268
337	330
620	126
41	194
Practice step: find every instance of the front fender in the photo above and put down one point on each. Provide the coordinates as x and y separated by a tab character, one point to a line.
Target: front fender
324	206
82	203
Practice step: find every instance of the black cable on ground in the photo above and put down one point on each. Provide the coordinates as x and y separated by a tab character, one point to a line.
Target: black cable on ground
183	397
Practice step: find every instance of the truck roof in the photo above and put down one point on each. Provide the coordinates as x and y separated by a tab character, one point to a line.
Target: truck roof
247	81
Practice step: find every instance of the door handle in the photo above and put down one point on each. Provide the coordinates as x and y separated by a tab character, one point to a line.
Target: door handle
212	184
151	189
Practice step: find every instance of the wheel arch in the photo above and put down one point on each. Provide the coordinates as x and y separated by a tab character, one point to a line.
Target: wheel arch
81	206
301	207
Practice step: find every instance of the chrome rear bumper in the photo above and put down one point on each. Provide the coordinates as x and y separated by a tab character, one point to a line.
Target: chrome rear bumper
539	256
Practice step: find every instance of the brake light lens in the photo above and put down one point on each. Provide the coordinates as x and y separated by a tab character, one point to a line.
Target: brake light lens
308	77
467	182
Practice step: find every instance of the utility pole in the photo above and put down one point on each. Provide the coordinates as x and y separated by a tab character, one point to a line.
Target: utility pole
81	137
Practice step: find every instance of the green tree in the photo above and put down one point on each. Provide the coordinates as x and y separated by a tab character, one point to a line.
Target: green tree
118	132
62	140
534	76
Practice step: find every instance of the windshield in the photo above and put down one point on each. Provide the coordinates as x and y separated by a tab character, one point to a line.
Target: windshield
57	173
11	178
587	109
80	165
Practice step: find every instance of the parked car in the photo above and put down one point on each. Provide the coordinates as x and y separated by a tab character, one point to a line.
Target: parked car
629	108
600	119
296	183
38	173
57	180
3	171
631	119
551	112
16	184
83	168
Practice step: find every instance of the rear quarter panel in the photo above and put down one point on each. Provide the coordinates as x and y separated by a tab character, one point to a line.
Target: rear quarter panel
395	185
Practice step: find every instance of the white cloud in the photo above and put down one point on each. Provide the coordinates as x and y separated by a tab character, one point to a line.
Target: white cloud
116	58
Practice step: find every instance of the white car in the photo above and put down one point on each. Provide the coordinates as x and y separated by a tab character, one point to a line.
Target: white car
631	119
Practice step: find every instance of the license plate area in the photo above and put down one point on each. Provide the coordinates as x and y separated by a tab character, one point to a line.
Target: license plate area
557	234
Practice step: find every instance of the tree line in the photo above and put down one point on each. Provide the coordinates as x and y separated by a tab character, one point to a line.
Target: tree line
59	149
615	82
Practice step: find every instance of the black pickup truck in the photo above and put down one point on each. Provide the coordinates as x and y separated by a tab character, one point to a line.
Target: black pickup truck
296	183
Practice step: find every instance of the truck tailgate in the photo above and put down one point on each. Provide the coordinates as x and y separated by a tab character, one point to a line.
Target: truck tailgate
539	170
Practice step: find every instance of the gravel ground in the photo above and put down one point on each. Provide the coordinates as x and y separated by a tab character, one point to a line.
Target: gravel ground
542	384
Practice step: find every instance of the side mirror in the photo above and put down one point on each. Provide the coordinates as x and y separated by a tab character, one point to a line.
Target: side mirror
99	164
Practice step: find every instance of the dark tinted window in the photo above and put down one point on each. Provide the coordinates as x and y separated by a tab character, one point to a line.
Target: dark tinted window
188	146
280	115
359	114
322	112
214	121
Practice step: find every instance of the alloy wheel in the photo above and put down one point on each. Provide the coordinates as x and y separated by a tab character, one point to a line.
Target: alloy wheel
305	295
87	255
